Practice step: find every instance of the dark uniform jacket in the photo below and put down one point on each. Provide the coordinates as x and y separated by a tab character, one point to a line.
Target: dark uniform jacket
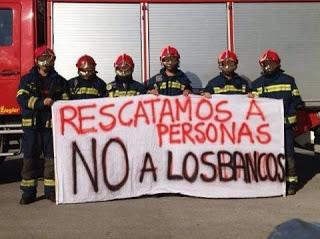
221	85
33	89
169	85
279	86
86	89
120	87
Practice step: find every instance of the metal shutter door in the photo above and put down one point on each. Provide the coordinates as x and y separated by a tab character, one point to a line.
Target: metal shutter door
292	29
103	31
198	31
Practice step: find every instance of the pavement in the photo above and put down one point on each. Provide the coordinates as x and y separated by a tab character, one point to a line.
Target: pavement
160	216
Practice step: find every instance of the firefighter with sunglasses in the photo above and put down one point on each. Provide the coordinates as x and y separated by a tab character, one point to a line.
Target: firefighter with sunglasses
228	81
87	84
171	80
274	83
124	84
37	92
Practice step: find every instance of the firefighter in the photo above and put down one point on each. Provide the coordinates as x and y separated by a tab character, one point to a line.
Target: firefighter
87	84
274	83
124	84
170	80
228	81
38	90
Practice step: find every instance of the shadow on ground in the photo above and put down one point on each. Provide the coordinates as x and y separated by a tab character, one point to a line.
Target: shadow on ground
307	166
10	170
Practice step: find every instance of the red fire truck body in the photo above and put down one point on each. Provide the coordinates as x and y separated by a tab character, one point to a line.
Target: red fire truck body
199	29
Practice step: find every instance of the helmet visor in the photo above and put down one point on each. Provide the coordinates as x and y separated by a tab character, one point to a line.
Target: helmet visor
46	61
228	66
170	62
124	70
269	66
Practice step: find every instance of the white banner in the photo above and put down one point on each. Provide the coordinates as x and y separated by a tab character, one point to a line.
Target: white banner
224	147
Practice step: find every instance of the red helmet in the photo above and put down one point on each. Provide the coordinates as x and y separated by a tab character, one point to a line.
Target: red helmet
44	50
86	62
269	55
123	60
227	55
169	51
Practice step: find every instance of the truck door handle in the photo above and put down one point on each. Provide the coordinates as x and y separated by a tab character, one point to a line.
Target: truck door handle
9	73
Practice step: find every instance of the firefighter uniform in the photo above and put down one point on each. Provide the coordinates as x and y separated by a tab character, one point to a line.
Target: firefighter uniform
282	86
80	88
87	84
36	124
221	85
124	87
169	85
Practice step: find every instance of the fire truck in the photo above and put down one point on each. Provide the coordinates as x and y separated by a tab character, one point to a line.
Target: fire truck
200	29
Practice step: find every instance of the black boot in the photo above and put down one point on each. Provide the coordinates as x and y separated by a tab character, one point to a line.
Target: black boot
291	188
27	199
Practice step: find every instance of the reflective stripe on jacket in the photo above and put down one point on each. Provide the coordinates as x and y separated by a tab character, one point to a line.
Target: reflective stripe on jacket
33	89
86	89
279	86
221	85
169	85
130	87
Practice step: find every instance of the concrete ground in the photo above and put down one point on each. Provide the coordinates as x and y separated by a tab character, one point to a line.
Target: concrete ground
163	216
